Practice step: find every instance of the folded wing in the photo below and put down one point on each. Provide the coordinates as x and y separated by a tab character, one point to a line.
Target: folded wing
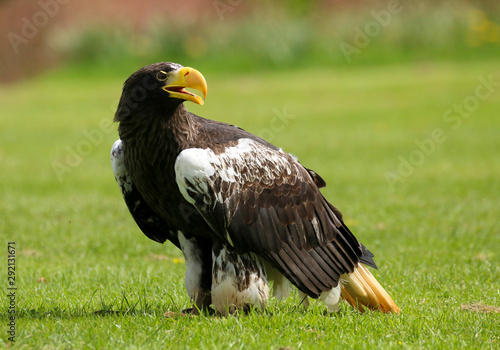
151	224
262	200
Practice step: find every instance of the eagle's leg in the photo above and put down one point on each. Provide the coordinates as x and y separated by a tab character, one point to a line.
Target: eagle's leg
331	298
238	281
198	256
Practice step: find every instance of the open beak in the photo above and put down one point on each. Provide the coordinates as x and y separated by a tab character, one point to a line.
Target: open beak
186	77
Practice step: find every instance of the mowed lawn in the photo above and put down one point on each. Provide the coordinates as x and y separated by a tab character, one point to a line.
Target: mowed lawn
418	183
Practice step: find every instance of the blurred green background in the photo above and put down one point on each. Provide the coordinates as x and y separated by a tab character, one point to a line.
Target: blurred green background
395	104
243	35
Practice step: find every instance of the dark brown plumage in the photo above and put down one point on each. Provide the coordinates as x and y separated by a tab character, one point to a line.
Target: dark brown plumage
225	197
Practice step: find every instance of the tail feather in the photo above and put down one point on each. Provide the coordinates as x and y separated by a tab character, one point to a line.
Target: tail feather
362	291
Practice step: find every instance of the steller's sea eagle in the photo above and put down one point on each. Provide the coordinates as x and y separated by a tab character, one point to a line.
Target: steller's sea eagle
243	211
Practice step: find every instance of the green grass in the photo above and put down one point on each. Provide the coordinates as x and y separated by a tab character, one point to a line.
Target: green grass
436	233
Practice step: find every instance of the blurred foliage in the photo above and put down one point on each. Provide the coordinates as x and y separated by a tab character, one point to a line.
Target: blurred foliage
298	34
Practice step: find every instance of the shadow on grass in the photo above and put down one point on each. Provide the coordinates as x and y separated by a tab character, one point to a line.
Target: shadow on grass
174	312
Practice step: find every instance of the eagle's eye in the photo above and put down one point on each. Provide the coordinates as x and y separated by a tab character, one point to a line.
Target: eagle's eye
161	76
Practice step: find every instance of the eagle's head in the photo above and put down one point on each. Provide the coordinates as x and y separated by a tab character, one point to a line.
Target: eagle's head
159	86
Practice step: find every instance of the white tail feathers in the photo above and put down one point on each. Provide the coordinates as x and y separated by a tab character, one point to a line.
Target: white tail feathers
362	291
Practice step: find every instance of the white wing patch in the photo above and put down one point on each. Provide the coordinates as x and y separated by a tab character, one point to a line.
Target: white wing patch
193	166
199	171
247	162
122	176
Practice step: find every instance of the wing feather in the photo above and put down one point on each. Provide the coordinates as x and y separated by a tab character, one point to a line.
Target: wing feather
150	224
262	200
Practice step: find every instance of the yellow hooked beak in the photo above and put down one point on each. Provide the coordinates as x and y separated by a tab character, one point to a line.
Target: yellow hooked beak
186	78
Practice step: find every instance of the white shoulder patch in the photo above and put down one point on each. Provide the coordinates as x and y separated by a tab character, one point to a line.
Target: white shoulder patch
246	162
194	165
122	176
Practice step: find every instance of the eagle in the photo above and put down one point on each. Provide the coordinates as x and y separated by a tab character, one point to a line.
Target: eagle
243	211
